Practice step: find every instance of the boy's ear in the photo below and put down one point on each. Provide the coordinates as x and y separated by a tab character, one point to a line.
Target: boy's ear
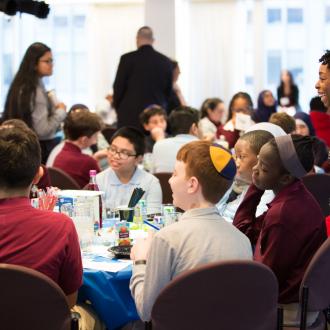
193	185
82	140
39	174
194	130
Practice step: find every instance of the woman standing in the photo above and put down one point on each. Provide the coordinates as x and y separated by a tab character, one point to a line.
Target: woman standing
28	100
287	92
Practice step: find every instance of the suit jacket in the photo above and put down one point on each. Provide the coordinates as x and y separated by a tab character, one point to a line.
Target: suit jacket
144	77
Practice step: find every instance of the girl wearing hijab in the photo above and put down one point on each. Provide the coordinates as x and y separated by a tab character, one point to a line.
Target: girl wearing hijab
266	107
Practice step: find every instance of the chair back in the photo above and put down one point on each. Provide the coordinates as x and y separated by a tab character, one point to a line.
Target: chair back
240	295
166	188
317	279
31	300
319	187
61	179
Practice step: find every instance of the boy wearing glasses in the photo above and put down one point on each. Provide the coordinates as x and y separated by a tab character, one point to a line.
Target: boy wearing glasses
119	180
81	129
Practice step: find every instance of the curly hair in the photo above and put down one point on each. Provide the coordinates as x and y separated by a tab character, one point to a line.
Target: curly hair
325	58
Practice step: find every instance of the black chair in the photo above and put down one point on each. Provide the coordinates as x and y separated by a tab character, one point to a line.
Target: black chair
166	188
319	186
237	295
61	180
31	300
315	289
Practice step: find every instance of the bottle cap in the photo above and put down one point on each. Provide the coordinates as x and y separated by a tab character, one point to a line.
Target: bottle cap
92	172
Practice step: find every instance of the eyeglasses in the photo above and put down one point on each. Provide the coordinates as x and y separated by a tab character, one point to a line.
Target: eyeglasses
50	61
122	154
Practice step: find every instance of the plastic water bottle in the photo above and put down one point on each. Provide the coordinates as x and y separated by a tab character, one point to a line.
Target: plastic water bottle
138	214
143	208
92	185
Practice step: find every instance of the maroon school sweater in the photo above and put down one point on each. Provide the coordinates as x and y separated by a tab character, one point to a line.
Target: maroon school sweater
286	236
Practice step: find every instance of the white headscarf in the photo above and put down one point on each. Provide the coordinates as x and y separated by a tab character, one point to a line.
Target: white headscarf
273	129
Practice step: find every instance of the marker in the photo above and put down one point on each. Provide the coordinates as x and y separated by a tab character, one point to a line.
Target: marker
151	225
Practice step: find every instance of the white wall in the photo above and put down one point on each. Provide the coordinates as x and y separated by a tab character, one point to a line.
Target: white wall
111	32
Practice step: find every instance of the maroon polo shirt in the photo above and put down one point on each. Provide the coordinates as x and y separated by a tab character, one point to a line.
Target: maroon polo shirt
72	161
286	236
42	240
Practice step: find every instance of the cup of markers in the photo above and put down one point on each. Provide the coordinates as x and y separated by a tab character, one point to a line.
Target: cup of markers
45	200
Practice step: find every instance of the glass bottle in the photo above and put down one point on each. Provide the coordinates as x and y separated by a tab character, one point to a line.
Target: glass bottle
92	185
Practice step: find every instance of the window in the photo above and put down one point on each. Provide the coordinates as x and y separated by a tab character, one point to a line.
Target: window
295	63
327	14
295	15
7	69
79	21
249	16
248	80
65	33
274	64
60	22
274	15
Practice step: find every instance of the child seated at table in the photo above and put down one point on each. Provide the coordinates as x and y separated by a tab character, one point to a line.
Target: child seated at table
286	236
42	240
44	180
212	112
119	180
203	173
283	120
183	122
246	152
81	129
153	119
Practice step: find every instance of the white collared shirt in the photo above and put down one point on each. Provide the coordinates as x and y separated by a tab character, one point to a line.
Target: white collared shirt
118	193
164	152
207	127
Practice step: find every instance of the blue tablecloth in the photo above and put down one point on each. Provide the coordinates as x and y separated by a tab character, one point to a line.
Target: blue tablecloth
110	296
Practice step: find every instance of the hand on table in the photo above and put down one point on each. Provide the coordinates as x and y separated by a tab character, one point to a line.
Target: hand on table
141	248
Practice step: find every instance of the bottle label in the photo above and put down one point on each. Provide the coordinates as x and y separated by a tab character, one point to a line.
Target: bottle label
123	233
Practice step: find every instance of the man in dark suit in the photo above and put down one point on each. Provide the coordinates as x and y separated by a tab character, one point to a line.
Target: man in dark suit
144	77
